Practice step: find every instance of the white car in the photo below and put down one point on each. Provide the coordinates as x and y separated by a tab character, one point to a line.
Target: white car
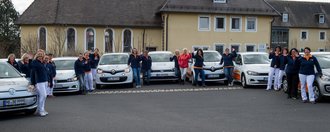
66	79
113	69
251	68
162	68
212	68
14	92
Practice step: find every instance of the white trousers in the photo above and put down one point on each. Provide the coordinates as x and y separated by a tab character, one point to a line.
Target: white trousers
94	73
50	89
42	93
309	79
280	78
183	73
89	81
273	74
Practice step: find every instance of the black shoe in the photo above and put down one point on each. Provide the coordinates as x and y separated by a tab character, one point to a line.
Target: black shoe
289	97
203	85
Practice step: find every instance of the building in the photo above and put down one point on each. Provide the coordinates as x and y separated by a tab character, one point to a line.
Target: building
117	26
301	24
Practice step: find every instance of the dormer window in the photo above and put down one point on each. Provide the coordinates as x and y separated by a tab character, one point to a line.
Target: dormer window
321	18
285	17
219	1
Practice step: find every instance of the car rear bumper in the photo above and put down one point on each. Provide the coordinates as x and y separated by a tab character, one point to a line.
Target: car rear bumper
67	87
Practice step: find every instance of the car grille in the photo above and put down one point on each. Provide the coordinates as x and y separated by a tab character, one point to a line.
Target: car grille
114	71
262	74
105	79
162	71
221	76
61	81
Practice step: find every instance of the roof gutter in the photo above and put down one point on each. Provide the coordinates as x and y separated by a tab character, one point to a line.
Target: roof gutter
279	13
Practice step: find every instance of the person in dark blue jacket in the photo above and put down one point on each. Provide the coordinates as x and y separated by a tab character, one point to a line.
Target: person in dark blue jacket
88	76
274	68
94	58
79	70
283	63
307	74
175	58
24	65
12	62
50	72
198	67
227	61
292	73
40	80
146	66
134	61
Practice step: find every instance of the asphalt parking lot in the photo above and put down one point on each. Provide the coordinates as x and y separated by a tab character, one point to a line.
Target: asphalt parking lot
172	107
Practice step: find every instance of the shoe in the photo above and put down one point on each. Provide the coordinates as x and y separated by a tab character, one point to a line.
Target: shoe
42	114
304	101
203	85
232	83
268	89
313	102
229	85
46	112
289	97
294	98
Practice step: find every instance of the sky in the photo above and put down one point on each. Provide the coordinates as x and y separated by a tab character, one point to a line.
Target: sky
21	5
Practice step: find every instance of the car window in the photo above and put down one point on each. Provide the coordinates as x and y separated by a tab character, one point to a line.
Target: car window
238	60
113	59
256	59
64	64
324	61
161	57
211	57
6	71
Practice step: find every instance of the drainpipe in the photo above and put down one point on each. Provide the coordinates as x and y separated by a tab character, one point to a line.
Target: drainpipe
143	35
166	45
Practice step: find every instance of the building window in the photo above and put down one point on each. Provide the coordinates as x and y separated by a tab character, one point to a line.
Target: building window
71	40
127	40
304	35
108	41
250	48
220	23
262	48
195	48
236	24
321	19
220	48
321	50
42	38
219	1
251	24
235	46
285	17
322	36
90	39
204	23
151	48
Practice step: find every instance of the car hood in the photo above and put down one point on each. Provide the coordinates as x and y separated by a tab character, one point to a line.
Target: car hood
15	83
212	64
64	74
162	65
113	67
260	68
326	71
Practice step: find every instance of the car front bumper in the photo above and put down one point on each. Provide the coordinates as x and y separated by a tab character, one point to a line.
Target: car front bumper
256	80
65	87
24	100
163	76
118	78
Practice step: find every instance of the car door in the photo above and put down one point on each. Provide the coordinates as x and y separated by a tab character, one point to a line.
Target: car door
238	68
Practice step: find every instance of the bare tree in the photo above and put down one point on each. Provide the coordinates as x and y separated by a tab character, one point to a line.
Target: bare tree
58	38
30	44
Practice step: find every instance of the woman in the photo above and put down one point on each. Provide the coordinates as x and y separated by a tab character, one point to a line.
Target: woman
307	74
88	77
25	65
146	66
12	61
40	80
274	68
227	61
175	58
134	61
52	69
94	58
79	71
183	64
198	67
292	73
283	63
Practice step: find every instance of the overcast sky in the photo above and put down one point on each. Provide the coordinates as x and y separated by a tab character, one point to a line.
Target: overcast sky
21	5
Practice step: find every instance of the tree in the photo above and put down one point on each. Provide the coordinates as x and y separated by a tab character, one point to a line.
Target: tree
58	38
9	32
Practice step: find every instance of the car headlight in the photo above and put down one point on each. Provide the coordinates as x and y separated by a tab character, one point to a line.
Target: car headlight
127	70
72	79
325	77
252	73
99	71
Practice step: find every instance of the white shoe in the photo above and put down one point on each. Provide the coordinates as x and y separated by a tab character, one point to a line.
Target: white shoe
232	83
42	114
46	112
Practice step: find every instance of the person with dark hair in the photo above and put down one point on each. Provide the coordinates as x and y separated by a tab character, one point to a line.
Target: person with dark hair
307	74
227	61
52	74
12	62
79	71
292	73
274	68
283	63
88	77
175	58
146	66
94	57
198	67
134	62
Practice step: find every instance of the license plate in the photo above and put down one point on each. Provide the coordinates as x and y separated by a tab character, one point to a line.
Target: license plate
213	76
113	78
13	102
162	75
58	85
266	78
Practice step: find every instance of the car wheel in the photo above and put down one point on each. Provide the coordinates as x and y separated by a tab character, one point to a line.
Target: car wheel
243	81
98	86
130	85
31	112
285	85
317	92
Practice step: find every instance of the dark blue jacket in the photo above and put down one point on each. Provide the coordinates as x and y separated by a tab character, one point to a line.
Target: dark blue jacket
134	61
79	67
39	72
50	72
53	69
25	68
293	66
146	62
283	62
227	60
94	60
199	60
176	61
307	66
15	65
276	62
87	66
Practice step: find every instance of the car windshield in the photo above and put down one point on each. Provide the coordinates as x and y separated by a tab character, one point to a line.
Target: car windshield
256	59
64	64
211	57
6	71
324	60
113	59
161	57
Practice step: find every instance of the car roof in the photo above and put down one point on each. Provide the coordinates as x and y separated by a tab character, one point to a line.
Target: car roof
65	58
252	53
317	53
156	52
116	54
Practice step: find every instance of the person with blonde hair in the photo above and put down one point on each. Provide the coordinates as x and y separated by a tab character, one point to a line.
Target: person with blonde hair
12	62
94	58
134	62
25	65
88	76
183	63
